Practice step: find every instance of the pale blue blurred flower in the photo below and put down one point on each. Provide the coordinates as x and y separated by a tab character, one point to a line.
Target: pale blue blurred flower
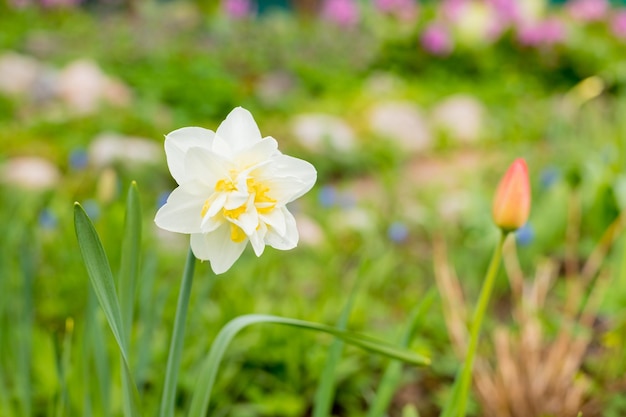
525	235
328	196
78	159
398	232
92	208
47	219
548	177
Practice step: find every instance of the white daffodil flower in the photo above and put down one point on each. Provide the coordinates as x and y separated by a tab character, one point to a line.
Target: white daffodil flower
233	187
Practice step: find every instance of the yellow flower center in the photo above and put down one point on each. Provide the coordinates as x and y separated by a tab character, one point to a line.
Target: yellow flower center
262	202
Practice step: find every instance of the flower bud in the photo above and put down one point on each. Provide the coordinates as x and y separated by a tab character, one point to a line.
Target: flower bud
511	205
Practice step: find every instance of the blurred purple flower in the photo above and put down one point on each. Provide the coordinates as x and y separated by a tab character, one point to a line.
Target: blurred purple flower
618	24
436	39
237	9
588	10
341	12
402	9
542	33
398	232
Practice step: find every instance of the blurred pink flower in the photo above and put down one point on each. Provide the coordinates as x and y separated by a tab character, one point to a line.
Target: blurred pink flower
237	9
403	9
453	9
506	10
342	12
547	32
436	39
59	3
618	24
588	10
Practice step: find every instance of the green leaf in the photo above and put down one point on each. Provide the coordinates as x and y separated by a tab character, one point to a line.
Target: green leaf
129	265
391	377
101	279
208	373
322	403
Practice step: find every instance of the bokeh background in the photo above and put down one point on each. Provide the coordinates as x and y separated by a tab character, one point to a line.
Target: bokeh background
410	111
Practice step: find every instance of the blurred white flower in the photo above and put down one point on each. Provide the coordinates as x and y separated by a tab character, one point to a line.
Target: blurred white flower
233	187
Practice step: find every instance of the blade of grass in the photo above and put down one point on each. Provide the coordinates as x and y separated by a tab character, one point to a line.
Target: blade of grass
324	395
25	336
63	367
391	377
202	394
176	344
457	402
101	278
129	264
129	269
94	334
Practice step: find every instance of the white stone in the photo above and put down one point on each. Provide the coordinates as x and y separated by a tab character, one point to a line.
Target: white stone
18	73
30	172
401	122
108	148
271	88
83	87
460	116
317	132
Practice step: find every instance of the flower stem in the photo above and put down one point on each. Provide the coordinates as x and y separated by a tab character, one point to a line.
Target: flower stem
479	314
176	345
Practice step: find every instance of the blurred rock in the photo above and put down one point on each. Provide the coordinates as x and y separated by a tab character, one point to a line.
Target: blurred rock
383	83
453	205
317	132
108	148
30	172
460	116
402	122
272	88
83	87
311	233
18	73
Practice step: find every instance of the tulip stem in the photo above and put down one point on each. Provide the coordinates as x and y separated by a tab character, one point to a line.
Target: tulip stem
479	314
176	344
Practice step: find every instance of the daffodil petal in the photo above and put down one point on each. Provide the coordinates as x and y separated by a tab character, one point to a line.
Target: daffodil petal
239	130
258	153
218	248
181	213
178	142
205	166
294	176
257	240
289	239
276	220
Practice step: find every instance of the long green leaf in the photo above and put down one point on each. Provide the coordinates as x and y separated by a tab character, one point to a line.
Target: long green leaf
129	269
178	336
208	373
101	278
129	264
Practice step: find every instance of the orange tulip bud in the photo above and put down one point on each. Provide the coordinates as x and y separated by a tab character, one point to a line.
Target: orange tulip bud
511	205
